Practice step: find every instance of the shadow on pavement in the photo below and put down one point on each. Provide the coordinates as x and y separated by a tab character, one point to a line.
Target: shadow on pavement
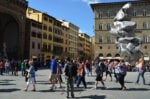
129	89
43	82
7	84
92	97
9	90
129	82
90	83
137	89
6	80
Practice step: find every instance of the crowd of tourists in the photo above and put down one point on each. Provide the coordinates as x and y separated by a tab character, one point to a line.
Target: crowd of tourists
75	71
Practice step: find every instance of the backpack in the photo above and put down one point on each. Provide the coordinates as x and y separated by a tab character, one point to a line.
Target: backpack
99	69
103	67
71	70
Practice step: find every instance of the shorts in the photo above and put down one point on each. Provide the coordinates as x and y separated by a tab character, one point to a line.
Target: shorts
31	81
98	77
53	77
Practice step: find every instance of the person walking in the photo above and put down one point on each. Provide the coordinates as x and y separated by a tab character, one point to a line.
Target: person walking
59	72
99	73
1	67
122	74
108	65
70	72
31	76
23	68
81	74
7	67
141	70
53	73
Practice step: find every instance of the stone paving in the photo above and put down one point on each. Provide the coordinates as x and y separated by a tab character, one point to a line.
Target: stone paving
11	87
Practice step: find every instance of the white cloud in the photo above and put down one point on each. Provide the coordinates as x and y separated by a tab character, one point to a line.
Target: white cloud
80	31
90	1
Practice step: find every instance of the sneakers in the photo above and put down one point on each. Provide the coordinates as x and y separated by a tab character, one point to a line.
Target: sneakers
25	89
72	96
123	88
53	88
34	90
95	87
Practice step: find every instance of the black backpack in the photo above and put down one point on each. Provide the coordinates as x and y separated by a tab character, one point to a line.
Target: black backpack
103	66
100	68
71	69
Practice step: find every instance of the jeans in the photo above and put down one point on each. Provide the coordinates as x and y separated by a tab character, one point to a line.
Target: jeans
81	78
23	72
141	73
7	70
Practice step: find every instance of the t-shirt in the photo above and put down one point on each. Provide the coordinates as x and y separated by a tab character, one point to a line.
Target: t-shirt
53	66
32	71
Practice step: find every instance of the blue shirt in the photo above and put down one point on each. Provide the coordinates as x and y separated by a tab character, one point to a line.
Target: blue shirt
32	71
53	66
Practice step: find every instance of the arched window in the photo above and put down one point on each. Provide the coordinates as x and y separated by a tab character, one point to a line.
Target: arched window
109	55
117	55
100	55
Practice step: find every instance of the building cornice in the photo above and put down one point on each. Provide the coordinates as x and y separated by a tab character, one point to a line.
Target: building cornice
118	3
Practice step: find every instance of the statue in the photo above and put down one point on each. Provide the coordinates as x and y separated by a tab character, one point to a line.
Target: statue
124	30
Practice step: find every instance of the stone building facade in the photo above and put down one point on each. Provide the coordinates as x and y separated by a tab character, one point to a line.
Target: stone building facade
103	16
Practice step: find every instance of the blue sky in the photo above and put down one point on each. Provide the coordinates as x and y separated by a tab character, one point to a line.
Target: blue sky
77	12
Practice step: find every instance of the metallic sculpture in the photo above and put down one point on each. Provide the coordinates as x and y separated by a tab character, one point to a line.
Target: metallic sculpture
124	30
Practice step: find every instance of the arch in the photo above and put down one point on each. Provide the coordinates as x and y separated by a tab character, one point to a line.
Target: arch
109	55
117	55
9	31
100	54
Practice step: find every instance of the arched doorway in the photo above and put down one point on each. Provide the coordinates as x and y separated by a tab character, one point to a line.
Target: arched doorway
9	36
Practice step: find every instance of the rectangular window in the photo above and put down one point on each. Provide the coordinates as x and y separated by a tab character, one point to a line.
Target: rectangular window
108	39
44	35
45	18
100	27
100	15
33	45
100	39
45	27
39	46
33	34
50	29
145	39
108	26
108	14
144	12
145	25
39	35
134	13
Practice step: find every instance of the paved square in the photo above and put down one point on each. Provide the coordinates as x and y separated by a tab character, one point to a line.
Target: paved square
11	87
